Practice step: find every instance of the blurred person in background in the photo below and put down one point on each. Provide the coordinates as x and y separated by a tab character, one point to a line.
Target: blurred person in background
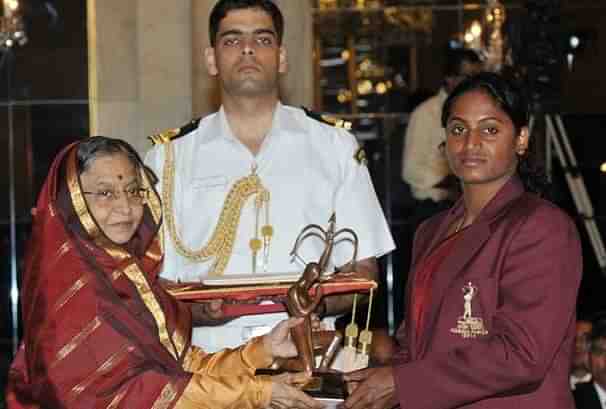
580	360
592	395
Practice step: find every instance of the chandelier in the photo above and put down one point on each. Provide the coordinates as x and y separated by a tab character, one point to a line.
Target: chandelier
12	29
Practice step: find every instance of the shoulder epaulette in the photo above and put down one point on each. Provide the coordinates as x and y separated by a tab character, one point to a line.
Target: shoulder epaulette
328	119
175	133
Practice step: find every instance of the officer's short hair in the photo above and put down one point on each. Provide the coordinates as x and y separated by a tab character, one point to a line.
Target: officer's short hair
223	7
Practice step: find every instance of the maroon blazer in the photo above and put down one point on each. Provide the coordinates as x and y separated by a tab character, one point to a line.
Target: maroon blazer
524	257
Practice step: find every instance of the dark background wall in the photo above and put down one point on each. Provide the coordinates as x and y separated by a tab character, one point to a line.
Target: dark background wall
46	83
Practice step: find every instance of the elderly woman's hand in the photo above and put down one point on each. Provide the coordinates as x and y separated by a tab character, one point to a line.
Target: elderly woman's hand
278	343
285	393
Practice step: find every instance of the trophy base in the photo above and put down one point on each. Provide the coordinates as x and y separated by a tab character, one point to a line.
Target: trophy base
322	385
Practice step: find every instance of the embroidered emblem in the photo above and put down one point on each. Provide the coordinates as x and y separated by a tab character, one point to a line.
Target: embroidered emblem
469	326
329	119
175	133
165	136
360	157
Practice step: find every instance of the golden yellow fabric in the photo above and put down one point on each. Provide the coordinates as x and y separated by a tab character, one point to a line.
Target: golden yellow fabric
137	277
86	218
230	392
73	183
242	360
226	379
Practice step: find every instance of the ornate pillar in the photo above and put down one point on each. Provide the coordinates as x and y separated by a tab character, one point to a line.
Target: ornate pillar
298	83
205	97
139	67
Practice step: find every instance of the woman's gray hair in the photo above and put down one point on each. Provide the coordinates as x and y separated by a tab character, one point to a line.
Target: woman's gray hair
94	147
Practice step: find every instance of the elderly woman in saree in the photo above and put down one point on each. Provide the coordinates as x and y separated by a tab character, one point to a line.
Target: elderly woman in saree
99	331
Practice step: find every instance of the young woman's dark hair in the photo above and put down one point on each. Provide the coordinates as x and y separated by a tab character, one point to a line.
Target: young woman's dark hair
513	102
223	7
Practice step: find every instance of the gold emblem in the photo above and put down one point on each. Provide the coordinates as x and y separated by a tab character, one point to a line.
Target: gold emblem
360	157
221	243
469	326
165	136
336	122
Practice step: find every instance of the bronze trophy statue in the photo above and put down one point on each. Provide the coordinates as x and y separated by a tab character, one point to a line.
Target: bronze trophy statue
301	304
303	297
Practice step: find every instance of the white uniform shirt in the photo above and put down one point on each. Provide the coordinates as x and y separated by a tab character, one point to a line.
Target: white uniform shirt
423	164
310	171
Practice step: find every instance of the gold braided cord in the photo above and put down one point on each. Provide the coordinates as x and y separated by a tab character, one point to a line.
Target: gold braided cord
221	243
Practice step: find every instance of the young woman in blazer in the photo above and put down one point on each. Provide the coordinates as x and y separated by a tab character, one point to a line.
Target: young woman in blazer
493	283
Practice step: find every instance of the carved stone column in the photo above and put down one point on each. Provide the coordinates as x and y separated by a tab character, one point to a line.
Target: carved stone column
139	67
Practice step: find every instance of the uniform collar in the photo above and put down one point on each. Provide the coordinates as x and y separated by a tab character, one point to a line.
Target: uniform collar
282	121
285	120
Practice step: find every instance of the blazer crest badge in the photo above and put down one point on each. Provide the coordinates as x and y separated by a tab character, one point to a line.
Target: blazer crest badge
469	326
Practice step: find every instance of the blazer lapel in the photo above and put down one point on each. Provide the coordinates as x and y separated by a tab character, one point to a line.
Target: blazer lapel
427	242
433	237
